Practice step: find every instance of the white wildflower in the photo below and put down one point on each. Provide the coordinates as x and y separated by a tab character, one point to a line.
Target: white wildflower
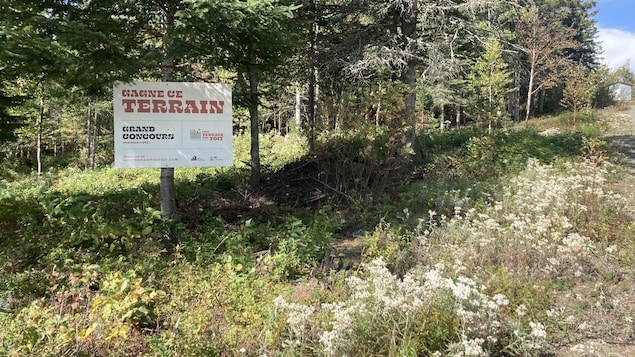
457	210
461	291
473	347
554	313
611	249
550	132
577	243
500	300
538	330
298	315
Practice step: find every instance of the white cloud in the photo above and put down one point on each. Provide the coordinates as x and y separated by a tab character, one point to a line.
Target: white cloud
618	47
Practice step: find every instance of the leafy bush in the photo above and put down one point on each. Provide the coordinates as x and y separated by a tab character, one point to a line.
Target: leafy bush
298	249
213	309
84	314
476	159
390	244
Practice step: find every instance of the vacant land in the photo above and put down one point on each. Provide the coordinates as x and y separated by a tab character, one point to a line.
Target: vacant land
518	242
599	311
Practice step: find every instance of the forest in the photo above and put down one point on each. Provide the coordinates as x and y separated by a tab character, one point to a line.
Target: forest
316	68
410	178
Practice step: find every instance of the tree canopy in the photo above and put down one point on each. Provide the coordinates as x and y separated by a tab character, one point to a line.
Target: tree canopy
402	64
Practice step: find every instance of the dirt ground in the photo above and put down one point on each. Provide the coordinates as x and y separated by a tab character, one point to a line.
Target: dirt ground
599	311
624	134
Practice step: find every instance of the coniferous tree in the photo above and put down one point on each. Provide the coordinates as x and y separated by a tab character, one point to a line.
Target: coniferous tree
252	38
358	58
33	56
579	18
9	122
490	79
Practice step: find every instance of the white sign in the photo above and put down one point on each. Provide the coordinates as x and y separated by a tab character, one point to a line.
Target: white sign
170	124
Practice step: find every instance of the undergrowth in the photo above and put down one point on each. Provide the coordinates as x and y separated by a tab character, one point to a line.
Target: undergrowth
464	255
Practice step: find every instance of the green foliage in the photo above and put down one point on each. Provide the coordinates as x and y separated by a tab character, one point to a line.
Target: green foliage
602	79
624	74
89	267
474	155
276	151
391	244
477	158
214	309
285	248
490	78
123	304
298	249
577	91
10	122
362	161
84	314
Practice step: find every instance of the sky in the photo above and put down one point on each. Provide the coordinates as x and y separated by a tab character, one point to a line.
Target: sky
616	32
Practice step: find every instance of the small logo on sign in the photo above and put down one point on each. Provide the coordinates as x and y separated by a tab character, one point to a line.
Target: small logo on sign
195	134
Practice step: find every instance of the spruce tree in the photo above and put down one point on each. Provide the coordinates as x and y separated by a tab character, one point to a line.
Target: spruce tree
490	79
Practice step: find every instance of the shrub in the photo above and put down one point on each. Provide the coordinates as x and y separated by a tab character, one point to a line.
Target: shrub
85	314
391	244
297	249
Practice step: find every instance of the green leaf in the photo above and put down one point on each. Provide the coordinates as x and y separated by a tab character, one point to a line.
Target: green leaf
147	230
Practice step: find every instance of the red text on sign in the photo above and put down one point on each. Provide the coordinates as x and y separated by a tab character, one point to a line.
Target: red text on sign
173	106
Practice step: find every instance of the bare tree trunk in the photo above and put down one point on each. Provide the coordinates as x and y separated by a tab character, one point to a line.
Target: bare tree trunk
312	94
490	108
254	121
39	134
93	144
378	106
88	133
311	109
516	97
280	124
530	94
575	114
541	101
298	110
313	91
337	118
409	76
167	190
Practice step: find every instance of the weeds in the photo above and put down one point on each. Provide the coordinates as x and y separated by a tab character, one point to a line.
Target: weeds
502	244
423	313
